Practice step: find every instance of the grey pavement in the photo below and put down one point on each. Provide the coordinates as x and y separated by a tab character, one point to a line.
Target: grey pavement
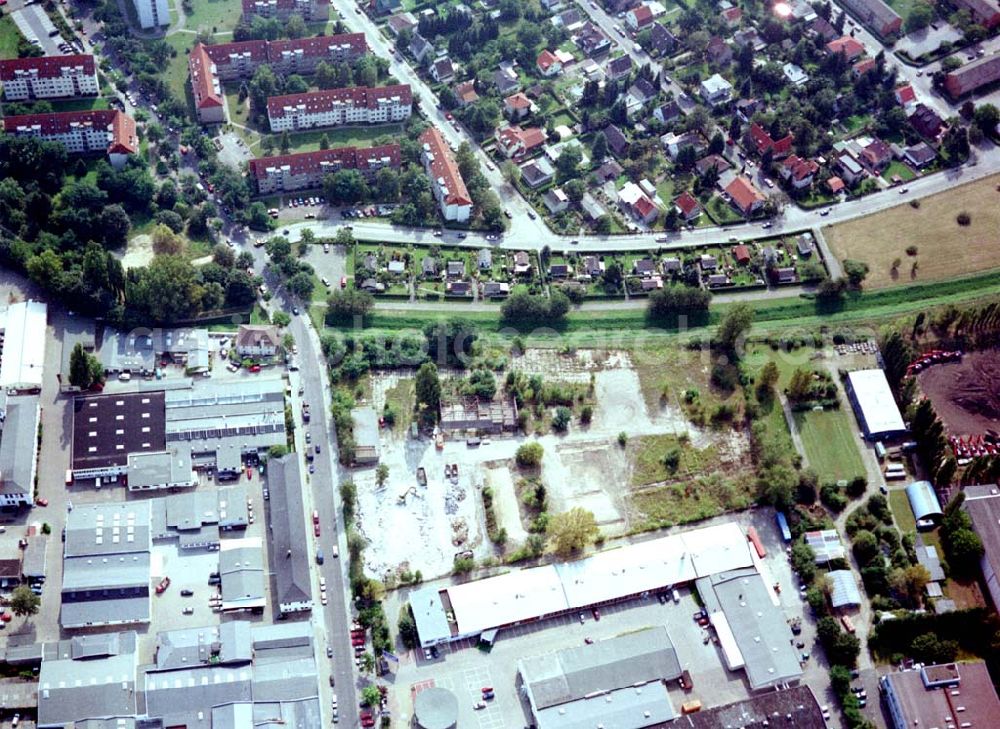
32	22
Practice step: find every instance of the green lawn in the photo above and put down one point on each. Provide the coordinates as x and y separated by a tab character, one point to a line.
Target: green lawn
97	102
214	15
176	73
342	136
9	38
898	168
238	111
830	445
722	211
901	511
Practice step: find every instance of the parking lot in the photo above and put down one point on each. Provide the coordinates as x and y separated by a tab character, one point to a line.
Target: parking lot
464	669
33	23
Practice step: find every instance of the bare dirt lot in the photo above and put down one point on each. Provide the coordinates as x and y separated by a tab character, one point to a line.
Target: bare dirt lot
585	467
966	394
944	248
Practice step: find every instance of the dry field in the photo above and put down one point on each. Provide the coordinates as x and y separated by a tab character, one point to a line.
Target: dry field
945	249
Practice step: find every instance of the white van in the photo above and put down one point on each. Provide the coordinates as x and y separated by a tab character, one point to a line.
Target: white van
124	376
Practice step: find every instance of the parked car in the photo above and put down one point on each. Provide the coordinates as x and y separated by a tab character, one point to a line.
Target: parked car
164	584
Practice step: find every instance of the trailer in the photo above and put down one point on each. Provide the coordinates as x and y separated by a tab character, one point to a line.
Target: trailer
754	538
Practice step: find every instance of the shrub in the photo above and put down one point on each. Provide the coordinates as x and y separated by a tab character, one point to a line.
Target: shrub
530	455
963	218
911	250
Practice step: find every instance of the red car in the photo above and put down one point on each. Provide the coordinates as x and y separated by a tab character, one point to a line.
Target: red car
6	617
343	282
164	584
367	719
41	502
316	529
255	368
597	614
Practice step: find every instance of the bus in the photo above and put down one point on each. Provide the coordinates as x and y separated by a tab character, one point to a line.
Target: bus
786	533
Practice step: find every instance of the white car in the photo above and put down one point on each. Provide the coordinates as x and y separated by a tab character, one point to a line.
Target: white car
322	583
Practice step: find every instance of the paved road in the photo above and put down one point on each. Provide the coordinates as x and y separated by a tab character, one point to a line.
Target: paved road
521	225
335	617
793	220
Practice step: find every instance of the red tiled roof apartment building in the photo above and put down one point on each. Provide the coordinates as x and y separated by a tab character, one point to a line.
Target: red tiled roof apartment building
446	181
106	131
357	105
308	10
307	170
49	77
211	64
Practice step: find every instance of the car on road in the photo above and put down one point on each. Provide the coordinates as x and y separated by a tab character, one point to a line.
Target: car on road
509	215
41	502
904	191
295	310
326	247
188	611
318	448
312	469
315	516
329	652
336	552
531	214
163	585
824	212
187	593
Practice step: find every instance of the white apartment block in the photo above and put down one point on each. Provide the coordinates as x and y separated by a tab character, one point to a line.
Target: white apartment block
49	77
337	107
152	13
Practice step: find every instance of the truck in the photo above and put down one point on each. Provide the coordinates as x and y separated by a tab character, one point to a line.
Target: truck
422	476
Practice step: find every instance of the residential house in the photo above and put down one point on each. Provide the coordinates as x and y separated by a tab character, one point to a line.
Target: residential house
835	185
804	245
673	143
876	156
672	265
746	198
516	142
443	71
618	68
421	49
384	7
570	20
919	155
591	40
795	75
850	169
637	204
593	266
764	143
644	267
555	200
926	122
560	270
741	253
718	52
639	18
307	170
865	65
617	142
719	163
610	170
652	283
666	113
517	106
662	41
254	340
732	17
49	77
592	208
708	263
458	288
465	93
521	263
875	14
822	29
506	80
749	37
548	64
746	108
905	96
799	172
429	267
484	259
848	46
396	267
785	275
537	172
454	269
100	131
688	206
495	290
642	91
335	107
372	286
402	22
716	91
552	5
553	151
717	280
446	181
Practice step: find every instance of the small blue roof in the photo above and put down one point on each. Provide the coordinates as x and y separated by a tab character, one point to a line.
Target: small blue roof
924	500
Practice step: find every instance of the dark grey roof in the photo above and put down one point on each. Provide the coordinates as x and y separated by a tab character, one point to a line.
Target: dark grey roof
616	139
643	89
106	428
289	555
760	711
111	528
620	65
662	39
242	572
573	673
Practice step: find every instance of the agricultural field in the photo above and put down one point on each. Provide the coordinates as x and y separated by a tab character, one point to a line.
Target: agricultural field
966	394
944	249
830	444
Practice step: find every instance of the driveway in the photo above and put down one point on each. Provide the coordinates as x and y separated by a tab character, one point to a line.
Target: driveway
924	41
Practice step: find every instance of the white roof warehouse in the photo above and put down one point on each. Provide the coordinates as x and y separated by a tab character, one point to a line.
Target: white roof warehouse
540	592
874	404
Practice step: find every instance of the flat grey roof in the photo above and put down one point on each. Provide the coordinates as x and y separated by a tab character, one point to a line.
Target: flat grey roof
758	625
567	675
110	528
626	708
365	427
242	572
171	466
430	615
122	610
18	445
